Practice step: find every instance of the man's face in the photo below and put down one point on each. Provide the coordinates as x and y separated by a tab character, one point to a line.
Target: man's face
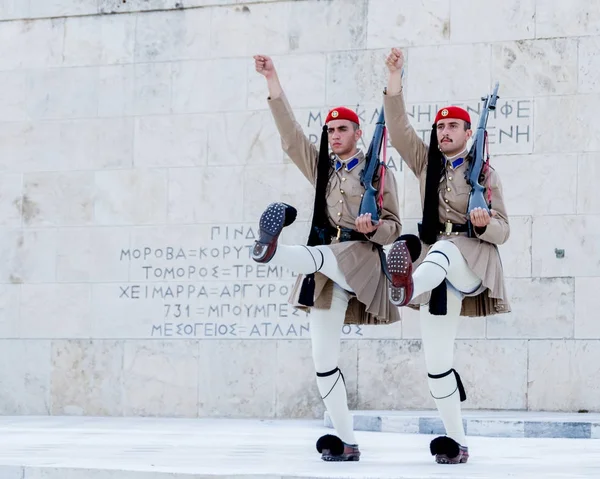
452	135
343	137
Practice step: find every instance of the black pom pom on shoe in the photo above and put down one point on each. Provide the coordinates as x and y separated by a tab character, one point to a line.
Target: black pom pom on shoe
332	443
444	445
290	214
413	243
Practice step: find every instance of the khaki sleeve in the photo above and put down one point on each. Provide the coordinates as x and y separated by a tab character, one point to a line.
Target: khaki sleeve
391	225
293	140
403	136
498	231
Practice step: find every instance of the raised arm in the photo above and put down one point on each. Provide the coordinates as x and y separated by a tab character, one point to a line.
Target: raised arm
293	140
403	136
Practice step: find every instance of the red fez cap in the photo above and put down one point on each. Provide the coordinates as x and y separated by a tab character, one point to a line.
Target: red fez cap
342	113
454	112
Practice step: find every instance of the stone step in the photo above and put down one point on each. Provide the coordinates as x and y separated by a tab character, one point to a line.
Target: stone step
482	423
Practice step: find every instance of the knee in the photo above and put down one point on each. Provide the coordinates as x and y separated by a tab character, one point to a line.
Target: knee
444	246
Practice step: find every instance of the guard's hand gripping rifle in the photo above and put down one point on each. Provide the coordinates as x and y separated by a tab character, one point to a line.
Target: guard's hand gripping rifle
478	157
368	203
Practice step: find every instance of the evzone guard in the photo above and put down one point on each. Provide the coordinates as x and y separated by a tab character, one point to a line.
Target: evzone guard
341	269
459	272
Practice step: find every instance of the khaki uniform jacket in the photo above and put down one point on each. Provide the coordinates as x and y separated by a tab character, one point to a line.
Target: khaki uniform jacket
358	260
481	253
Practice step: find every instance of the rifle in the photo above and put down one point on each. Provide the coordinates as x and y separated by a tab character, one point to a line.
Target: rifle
368	203
477	154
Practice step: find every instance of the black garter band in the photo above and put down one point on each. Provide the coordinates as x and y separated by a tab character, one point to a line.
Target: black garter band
330	373
459	384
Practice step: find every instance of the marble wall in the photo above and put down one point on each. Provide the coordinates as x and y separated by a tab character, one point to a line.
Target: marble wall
137	152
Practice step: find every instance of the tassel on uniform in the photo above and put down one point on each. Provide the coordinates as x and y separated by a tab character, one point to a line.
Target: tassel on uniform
307	291
438	303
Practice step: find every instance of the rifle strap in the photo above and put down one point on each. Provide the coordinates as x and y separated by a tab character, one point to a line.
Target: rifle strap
486	169
383	168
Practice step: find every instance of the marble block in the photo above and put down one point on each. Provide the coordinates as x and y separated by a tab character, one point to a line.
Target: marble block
538	184
160	378
131	197
494	373
516	252
412	22
209	86
587	323
316	26
249	138
563	375
588	196
9	310
572	113
25	370
428	88
251	29
87	377
196	195
238	378
62	93
557	19
116	90
486	21
175	35
58	199
26	44
154	85
541	308
55	311
356	77
11	199
577	236
93	144
536	67
90	254
392	375
589	65
28	256
171	141
99	40
11	9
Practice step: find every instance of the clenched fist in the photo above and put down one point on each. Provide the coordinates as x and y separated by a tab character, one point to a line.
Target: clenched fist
364	224
395	60
481	218
264	65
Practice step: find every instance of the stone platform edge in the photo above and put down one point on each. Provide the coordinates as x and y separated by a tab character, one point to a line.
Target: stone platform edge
54	472
519	425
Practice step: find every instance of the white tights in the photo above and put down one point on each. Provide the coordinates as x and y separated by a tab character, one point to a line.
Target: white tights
325	329
309	259
325	332
444	262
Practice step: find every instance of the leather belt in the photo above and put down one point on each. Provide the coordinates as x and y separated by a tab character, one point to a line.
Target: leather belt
449	228
346	234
